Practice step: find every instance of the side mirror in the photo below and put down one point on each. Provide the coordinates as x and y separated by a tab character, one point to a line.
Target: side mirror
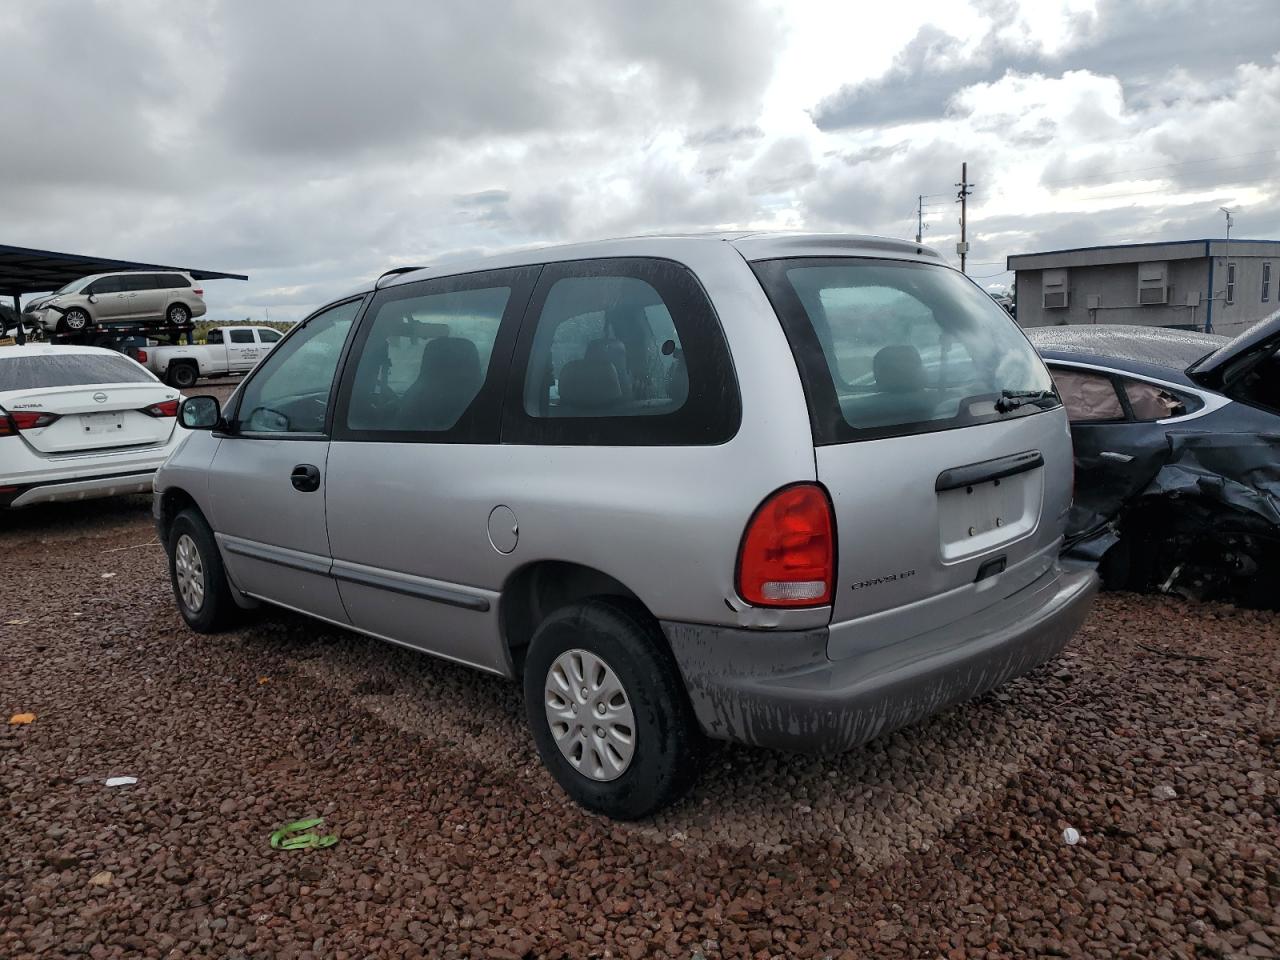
93	298
200	413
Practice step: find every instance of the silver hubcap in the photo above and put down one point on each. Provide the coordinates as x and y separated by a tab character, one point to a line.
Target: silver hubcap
190	571
75	320
179	314
589	715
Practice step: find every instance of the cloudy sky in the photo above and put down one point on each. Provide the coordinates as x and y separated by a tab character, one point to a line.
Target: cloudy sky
316	143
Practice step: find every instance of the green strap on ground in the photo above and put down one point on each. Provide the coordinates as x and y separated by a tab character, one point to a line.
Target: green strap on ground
298	836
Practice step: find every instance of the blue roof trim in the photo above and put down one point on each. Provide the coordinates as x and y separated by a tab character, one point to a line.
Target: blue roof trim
1131	246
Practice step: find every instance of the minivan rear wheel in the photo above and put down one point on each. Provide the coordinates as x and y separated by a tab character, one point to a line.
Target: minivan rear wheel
178	314
196	573
608	710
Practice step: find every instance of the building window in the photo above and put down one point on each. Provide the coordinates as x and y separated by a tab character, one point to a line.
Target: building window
1266	282
1054	289
1231	283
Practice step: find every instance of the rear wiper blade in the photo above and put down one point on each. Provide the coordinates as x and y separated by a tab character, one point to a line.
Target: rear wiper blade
1013	399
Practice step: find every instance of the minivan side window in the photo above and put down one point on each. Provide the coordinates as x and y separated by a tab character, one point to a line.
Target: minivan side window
106	285
626	351
424	359
289	392
1089	397
139	281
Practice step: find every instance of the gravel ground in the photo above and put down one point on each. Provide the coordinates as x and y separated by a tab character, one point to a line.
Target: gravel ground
943	840
220	388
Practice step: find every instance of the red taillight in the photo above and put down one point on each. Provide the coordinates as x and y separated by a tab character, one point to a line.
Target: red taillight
141	356
168	408
32	419
198	291
788	552
7	429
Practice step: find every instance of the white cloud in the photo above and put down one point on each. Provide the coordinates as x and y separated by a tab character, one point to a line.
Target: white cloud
314	145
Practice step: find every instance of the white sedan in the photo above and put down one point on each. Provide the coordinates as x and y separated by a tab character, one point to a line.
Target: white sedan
80	422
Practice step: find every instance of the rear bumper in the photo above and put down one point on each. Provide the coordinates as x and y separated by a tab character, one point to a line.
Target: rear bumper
83	488
779	689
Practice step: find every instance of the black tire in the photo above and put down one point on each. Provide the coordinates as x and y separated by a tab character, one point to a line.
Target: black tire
182	375
218	609
75	320
178	314
668	744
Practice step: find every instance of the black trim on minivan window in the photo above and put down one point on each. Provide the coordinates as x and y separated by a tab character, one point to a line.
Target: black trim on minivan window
232	410
480	422
710	414
826	416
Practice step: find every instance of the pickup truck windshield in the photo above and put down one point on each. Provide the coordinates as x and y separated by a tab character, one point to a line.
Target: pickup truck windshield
893	347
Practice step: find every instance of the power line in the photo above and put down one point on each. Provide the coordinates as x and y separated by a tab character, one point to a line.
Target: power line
1183	188
1158	166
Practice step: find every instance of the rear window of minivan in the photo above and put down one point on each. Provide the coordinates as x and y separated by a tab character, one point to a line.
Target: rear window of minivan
895	347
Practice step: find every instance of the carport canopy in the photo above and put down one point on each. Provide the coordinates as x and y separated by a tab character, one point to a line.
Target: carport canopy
24	270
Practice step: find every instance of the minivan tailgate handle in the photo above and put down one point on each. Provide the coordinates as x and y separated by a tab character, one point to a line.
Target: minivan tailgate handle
988	470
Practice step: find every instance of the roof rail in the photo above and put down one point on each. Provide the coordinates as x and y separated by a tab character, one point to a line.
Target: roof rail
394	273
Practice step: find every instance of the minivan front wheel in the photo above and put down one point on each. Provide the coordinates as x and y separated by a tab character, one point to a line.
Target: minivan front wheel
195	570
608	710
75	320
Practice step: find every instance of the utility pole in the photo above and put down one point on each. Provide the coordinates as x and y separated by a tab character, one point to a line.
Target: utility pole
962	247
919	217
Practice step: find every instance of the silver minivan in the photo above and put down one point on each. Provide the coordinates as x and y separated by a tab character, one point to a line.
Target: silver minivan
169	297
788	490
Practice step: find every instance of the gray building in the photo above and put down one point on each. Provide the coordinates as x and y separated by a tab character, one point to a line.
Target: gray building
1208	285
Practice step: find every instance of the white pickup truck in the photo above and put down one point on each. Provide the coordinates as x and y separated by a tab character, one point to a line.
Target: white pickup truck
228	350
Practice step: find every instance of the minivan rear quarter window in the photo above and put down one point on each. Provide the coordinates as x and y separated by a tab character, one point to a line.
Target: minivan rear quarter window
624	351
896	347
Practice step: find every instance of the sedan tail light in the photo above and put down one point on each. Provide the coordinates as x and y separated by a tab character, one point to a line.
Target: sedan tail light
32	419
166	408
787	557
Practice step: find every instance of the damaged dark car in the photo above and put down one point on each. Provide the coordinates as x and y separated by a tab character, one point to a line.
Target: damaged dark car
1177	455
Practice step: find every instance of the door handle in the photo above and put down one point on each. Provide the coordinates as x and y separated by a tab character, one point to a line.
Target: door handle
305	477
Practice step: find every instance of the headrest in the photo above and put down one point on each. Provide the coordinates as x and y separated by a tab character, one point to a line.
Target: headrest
450	354
898	369
589	383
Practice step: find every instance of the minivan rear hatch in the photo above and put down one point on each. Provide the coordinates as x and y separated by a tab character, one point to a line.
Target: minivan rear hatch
937	433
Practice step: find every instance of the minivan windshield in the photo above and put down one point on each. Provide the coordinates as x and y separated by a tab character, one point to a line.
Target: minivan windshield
892	347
